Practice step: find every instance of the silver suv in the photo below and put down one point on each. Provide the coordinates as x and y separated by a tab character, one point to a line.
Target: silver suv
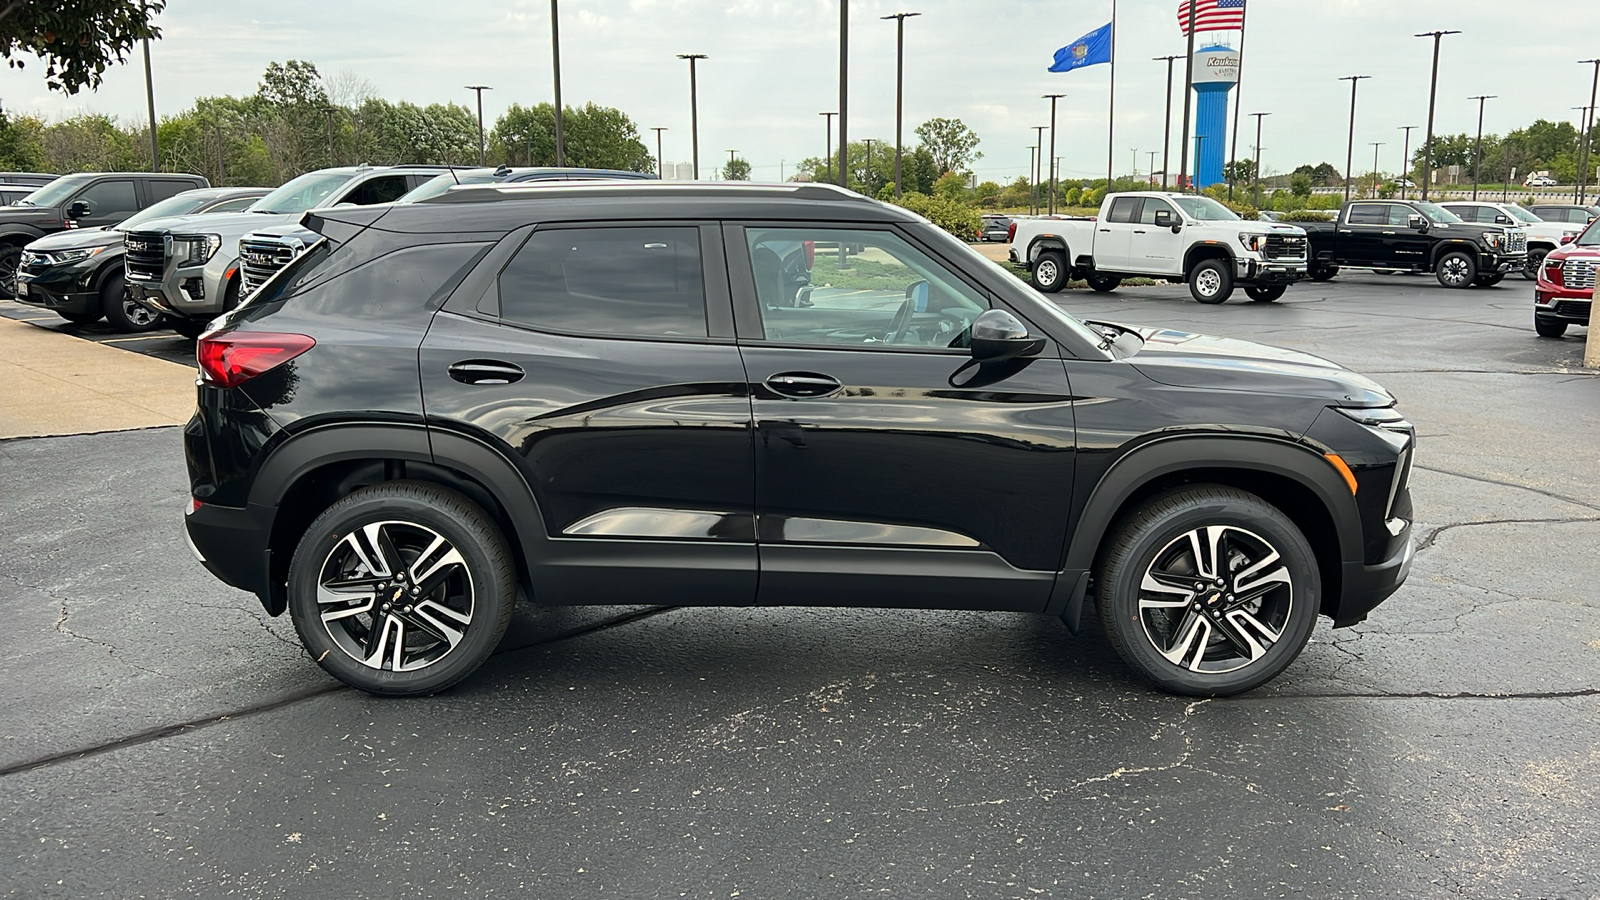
188	267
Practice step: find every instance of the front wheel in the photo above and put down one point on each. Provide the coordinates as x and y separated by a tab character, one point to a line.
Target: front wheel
1049	272
1211	281
10	258
1489	281
1208	591
1104	284
1535	262
1457	270
79	318
189	328
401	588
1323	273
1265	293
1550	328
123	312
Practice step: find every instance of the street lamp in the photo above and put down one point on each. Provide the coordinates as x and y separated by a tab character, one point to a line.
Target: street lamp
899	86
1152	173
150	97
869	142
694	111
1585	134
478	89
1433	92
1259	116
555	62
1350	150
827	153
1405	160
730	165
661	166
1477	151
1376	181
1166	135
1038	167
1033	189
1052	98
1583	141
844	94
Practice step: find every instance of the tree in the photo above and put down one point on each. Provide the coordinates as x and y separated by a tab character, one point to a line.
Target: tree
77	39
21	149
952	144
1300	183
597	137
737	169
1240	172
951	186
1321	175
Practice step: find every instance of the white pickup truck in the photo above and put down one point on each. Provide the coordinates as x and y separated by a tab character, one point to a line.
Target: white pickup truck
1178	237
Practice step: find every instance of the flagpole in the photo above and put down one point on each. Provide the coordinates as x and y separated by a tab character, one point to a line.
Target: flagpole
1238	92
1111	118
1188	92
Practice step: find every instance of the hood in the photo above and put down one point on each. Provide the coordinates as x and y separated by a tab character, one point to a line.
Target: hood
1582	251
39	216
1261	226
1184	359
226	224
1474	230
77	240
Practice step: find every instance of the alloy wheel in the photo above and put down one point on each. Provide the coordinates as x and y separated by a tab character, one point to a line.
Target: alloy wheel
139	315
1457	270
395	596
1216	599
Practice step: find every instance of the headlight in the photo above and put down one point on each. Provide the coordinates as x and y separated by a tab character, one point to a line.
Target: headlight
201	247
1495	239
1253	242
62	257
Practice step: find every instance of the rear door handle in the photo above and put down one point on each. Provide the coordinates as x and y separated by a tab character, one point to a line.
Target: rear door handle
1138	231
485	371
1105	231
1388	232
800	385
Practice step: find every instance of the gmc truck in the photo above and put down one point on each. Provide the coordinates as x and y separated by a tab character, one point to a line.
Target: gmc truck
1415	236
1176	237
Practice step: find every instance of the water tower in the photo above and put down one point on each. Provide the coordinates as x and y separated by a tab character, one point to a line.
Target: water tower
1216	73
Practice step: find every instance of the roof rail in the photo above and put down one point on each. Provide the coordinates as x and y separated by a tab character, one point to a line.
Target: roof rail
493	192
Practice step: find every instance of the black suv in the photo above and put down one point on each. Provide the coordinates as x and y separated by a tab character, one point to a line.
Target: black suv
785	395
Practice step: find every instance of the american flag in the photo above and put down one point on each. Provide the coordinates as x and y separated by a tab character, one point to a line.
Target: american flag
1212	15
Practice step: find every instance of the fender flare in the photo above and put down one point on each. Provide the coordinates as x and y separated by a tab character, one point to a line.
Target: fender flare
1192	257
1046	242
28	233
1451	246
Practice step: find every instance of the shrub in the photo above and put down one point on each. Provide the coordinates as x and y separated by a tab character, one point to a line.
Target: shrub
1306	215
1073	197
1092	197
957	218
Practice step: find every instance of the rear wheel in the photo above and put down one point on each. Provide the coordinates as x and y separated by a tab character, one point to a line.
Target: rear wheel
80	318
1211	281
1550	328
1104	284
1535	262
401	588
10	257
1456	270
1265	293
1208	591
1489	280
189	328
1323	273
1050	272
122	311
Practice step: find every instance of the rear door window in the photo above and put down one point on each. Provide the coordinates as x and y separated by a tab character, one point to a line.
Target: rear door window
161	188
1125	209
1369	214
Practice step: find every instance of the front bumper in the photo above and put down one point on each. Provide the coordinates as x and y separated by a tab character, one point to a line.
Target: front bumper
187	292
1367	586
1562	304
1269	271
1494	262
50	296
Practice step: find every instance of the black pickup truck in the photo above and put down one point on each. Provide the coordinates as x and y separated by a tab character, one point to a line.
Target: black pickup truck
1415	236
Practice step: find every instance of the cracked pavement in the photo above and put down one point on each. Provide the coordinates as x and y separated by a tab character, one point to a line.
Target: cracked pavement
160	736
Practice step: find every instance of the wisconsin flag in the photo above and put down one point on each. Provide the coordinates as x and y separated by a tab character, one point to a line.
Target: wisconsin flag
1091	49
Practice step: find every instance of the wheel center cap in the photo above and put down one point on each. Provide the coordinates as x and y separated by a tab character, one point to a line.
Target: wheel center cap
397	594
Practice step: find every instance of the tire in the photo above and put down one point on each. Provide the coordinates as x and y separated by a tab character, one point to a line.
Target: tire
1211	281
1489	281
1550	328
1239	651
10	256
1266	293
1105	284
1322	273
1049	272
423	631
1535	262
83	318
189	328
1456	270
122	312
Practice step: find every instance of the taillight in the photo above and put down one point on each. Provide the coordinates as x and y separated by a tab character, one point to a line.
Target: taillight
230	358
1011	232
811	254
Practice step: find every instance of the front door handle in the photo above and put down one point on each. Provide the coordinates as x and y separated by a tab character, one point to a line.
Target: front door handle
1138	231
800	385
1389	232
485	371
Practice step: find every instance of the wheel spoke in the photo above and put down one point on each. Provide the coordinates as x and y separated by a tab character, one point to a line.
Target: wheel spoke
1247	633
387	639
366	553
1247	592
436	569
378	534
441	621
1188	648
1168	583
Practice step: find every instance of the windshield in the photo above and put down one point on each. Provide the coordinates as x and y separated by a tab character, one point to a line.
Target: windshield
303	193
1205	209
1590	236
56	191
1520	214
180	205
433	187
1438	215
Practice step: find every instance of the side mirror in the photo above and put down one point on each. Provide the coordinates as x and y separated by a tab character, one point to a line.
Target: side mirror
917	293
79	209
1566	239
1502	220
1417	222
998	336
1163	218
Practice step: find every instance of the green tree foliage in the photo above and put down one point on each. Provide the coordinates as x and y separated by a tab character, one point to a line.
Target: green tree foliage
1017	194
1321	174
952	186
987	194
77	39
1301	183
737	169
597	137
957	218
953	146
21	147
1241	171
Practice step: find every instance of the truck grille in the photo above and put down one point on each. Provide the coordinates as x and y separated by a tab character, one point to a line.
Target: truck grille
1573	309
1285	246
1578	273
1516	242
261	258
146	255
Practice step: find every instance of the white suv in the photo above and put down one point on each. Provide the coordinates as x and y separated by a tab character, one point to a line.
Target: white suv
1543	236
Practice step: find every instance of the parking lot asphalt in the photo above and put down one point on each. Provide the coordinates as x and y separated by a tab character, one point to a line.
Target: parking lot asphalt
160	736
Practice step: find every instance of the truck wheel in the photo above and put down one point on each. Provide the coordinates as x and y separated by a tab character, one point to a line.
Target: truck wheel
189	328
122	312
1050	272
78	318
1211	281
1265	293
1208	590
1551	328
10	257
1535	262
1489	280
1323	273
1105	284
401	588
1456	270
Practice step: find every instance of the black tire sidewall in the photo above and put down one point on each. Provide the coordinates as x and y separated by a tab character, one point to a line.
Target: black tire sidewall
14	255
1472	270
461	523
1060	268
1266	293
1534	262
1549	328
1323	273
112	296
1172	515
1223	293
1104	284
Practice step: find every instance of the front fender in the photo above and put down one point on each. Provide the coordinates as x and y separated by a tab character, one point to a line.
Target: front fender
19	234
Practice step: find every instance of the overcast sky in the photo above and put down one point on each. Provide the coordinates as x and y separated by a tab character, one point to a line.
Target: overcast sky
774	65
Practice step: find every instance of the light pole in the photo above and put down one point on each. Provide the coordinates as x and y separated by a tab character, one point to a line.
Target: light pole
478	89
1376	181
1585	134
1052	157
1188	94
827	153
1433	92
1477	148
844	94
1578	189
1033	189
1405	160
1199	144
1350	150
661	166
328	112
150	98
555	63
1152	173
1038	167
869	142
1166	135
899	87
694	111
730	165
1259	116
